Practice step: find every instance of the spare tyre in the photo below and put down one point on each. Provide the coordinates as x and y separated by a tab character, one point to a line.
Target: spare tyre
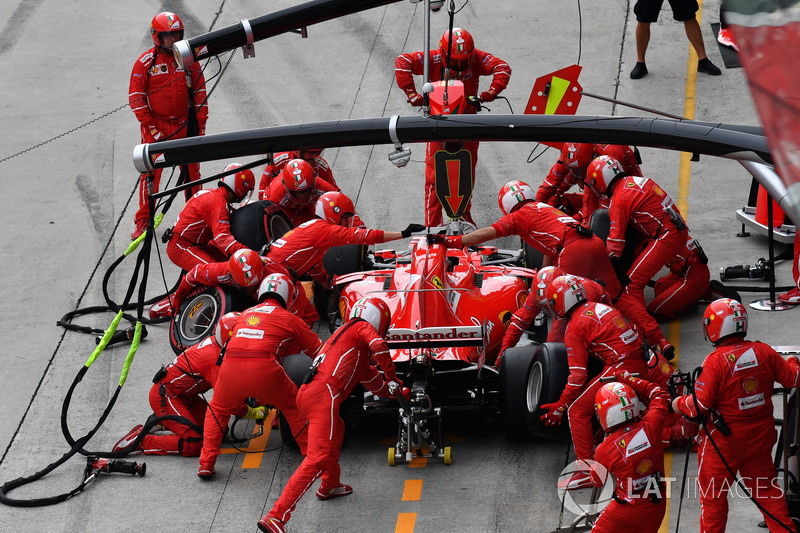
259	223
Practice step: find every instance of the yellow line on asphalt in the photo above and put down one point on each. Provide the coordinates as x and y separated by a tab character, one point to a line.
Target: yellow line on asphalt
405	523
412	490
256	446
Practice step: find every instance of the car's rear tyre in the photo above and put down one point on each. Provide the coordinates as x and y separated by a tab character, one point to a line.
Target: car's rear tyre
600	224
296	366
546	380
337	261
199	313
514	367
531	257
259	223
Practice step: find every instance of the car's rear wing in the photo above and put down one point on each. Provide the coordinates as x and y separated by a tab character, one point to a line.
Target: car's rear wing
435	337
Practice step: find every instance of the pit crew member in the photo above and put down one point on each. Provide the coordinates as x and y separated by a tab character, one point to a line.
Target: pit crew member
297	190
311	155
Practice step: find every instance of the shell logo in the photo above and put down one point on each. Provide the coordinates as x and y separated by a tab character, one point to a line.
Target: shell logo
620	322
644	467
750	384
253	321
665	368
658	190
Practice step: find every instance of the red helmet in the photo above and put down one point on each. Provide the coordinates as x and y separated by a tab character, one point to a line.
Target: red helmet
616	404
724	318
308	153
601	172
246	267
278	286
375	311
225	327
240	183
336	208
298	176
166	22
565	293
460	51
514	194
576	156
541	283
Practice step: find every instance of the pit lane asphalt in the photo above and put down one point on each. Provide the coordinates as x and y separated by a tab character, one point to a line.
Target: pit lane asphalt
68	208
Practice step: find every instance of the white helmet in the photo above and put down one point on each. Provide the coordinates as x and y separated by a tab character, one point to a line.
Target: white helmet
375	311
278	286
513	194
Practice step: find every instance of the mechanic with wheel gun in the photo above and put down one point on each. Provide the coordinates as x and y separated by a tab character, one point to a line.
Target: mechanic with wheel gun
313	156
642	204
734	390
168	102
632	453
202	231
303	247
575	249
177	391
593	329
251	366
570	170
456	59
347	359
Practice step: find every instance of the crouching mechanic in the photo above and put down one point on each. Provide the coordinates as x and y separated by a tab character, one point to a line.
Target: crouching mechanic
593	329
252	366
632	453
347	359
177	392
736	385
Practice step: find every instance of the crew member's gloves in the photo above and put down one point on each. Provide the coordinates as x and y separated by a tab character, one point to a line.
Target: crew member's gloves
256	413
412	228
554	415
450	241
415	99
488	96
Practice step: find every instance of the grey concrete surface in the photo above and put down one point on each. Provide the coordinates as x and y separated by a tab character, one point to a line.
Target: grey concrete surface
68	188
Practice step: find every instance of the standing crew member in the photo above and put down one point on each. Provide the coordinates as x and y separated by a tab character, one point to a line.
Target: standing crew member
178	390
202	232
736	387
252	366
593	329
347	359
641	203
467	64
632	453
555	234
168	102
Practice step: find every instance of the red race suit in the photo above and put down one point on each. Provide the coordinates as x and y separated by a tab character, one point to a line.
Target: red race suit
633	455
252	368
687	281
555	234
202	232
601	331
159	97
737	381
483	64
296	211
320	166
641	203
344	361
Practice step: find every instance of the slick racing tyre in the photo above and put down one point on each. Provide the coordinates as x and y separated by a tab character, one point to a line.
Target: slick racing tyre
600	224
199	313
296	366
338	261
514	368
531	257
546	379
259	223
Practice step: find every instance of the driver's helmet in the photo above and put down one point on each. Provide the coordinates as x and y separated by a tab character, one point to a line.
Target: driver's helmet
165	22
565	293
541	283
278	286
461	50
336	208
224	327
513	194
724	318
375	311
616	403
239	183
246	268
602	171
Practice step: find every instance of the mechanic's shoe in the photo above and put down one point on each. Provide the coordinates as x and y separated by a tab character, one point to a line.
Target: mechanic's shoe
159	427
276	423
791	297
667	350
639	71
268	524
717	290
162	308
705	65
341	490
128	439
206	471
141	227
725	38
579	480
